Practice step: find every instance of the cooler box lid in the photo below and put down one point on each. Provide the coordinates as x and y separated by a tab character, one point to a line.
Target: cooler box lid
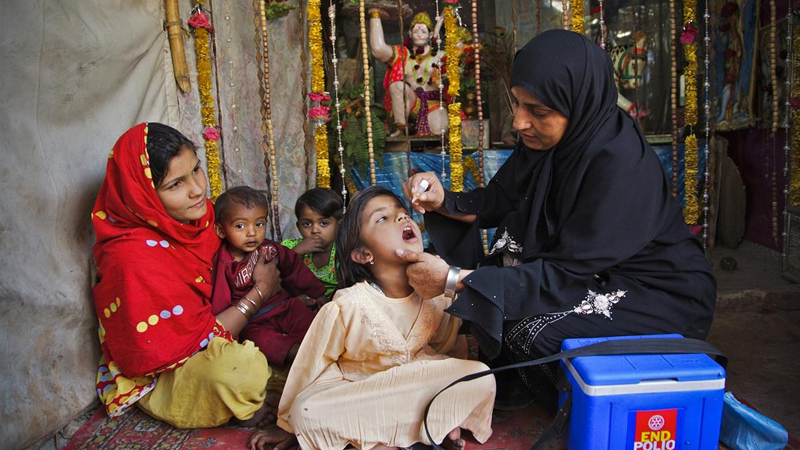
636	369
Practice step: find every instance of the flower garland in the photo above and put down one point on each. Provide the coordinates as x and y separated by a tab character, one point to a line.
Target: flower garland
576	8
318	113
202	29
456	164
691	210
453	55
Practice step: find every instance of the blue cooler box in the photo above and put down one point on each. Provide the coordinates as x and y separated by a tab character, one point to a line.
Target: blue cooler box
643	402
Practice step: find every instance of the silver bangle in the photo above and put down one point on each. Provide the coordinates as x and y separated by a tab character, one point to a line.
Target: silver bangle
244	309
451	282
260	295
251	302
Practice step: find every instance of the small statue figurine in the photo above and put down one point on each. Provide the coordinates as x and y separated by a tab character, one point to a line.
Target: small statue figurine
629	63
416	93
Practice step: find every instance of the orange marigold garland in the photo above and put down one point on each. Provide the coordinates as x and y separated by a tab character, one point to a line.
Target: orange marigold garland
202	30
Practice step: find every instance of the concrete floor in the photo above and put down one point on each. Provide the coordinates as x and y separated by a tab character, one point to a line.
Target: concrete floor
757	326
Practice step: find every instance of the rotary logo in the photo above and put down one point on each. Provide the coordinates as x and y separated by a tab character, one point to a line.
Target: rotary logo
655	430
656	422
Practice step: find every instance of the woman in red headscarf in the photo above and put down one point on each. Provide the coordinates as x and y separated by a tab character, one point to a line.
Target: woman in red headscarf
162	347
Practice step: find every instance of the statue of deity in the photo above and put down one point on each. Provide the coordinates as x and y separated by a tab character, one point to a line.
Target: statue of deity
629	63
413	80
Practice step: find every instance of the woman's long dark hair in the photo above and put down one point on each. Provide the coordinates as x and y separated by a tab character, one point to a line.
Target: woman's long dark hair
163	144
348	237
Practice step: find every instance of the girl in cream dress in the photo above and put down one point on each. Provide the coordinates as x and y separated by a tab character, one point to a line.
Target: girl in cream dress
376	355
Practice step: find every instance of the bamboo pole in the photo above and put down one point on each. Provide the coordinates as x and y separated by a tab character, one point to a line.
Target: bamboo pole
175	33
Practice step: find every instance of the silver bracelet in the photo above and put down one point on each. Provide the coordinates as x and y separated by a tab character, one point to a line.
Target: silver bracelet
251	302
451	282
260	295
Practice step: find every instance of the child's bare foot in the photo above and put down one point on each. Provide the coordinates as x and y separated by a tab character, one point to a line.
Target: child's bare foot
453	441
272	438
266	415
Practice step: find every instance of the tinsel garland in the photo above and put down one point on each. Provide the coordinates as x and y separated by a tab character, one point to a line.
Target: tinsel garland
691	211
453	55
456	165
323	165
318	86
690	71
201	48
576	10
452	52
794	176
472	167
315	46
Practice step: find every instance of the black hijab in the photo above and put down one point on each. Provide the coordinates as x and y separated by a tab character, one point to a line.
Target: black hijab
568	73
593	213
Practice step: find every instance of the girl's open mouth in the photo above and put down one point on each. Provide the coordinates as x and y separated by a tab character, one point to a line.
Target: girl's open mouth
408	233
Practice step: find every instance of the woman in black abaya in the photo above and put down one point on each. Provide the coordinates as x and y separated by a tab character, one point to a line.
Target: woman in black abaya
589	241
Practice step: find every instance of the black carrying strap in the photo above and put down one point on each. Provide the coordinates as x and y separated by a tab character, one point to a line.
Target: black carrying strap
610	347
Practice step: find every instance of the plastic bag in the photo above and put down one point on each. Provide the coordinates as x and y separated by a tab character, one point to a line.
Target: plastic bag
743	428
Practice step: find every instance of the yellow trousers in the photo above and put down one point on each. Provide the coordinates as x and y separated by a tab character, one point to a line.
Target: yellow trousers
225	380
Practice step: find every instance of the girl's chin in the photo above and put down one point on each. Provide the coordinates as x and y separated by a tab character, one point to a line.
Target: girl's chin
413	246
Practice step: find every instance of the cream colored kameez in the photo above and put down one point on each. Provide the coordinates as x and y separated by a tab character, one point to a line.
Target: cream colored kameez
368	366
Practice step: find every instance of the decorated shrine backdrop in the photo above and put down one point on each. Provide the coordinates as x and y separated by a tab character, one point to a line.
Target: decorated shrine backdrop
237	71
75	76
396	168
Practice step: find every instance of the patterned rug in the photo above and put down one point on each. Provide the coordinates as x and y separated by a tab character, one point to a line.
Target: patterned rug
136	430
513	430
